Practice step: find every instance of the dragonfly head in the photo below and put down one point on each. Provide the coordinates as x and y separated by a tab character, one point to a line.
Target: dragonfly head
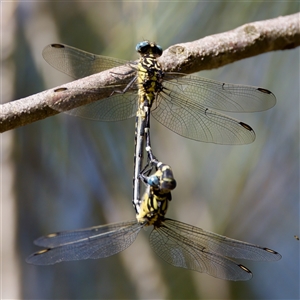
166	177
148	48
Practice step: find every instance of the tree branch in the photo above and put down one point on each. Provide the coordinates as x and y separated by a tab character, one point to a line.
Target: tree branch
213	51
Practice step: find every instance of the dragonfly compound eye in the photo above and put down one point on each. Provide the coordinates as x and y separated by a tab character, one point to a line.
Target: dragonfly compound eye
153	181
168	184
157	50
142	47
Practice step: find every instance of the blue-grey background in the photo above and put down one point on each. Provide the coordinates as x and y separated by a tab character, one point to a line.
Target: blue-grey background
71	173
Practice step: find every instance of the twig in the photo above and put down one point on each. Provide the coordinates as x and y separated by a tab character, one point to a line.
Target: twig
214	51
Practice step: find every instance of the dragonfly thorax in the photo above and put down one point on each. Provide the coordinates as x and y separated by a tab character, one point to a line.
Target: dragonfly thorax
157	195
149	77
153	207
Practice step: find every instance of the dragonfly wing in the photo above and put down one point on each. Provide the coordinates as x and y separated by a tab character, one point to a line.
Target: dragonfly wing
115	108
105	244
65	237
193	120
222	245
78	63
179	252
221	96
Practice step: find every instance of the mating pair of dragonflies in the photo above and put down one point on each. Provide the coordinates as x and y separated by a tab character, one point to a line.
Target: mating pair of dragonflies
184	104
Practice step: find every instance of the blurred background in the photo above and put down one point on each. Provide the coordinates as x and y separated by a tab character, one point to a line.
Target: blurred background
67	173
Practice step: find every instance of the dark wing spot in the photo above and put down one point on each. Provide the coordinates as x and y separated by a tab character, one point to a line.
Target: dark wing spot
246	126
245	269
60	89
41	252
270	250
264	91
57	46
52	235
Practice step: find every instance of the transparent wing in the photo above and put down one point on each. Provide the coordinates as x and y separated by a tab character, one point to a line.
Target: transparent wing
218	95
181	106
189	247
78	63
115	108
222	244
195	121
65	237
94	242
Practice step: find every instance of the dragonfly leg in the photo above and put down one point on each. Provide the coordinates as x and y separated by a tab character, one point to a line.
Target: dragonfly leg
128	86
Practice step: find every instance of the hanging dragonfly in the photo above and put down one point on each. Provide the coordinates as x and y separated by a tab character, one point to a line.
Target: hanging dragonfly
180	102
181	245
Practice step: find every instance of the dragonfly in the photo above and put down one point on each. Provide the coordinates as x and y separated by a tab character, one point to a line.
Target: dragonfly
183	103
179	244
